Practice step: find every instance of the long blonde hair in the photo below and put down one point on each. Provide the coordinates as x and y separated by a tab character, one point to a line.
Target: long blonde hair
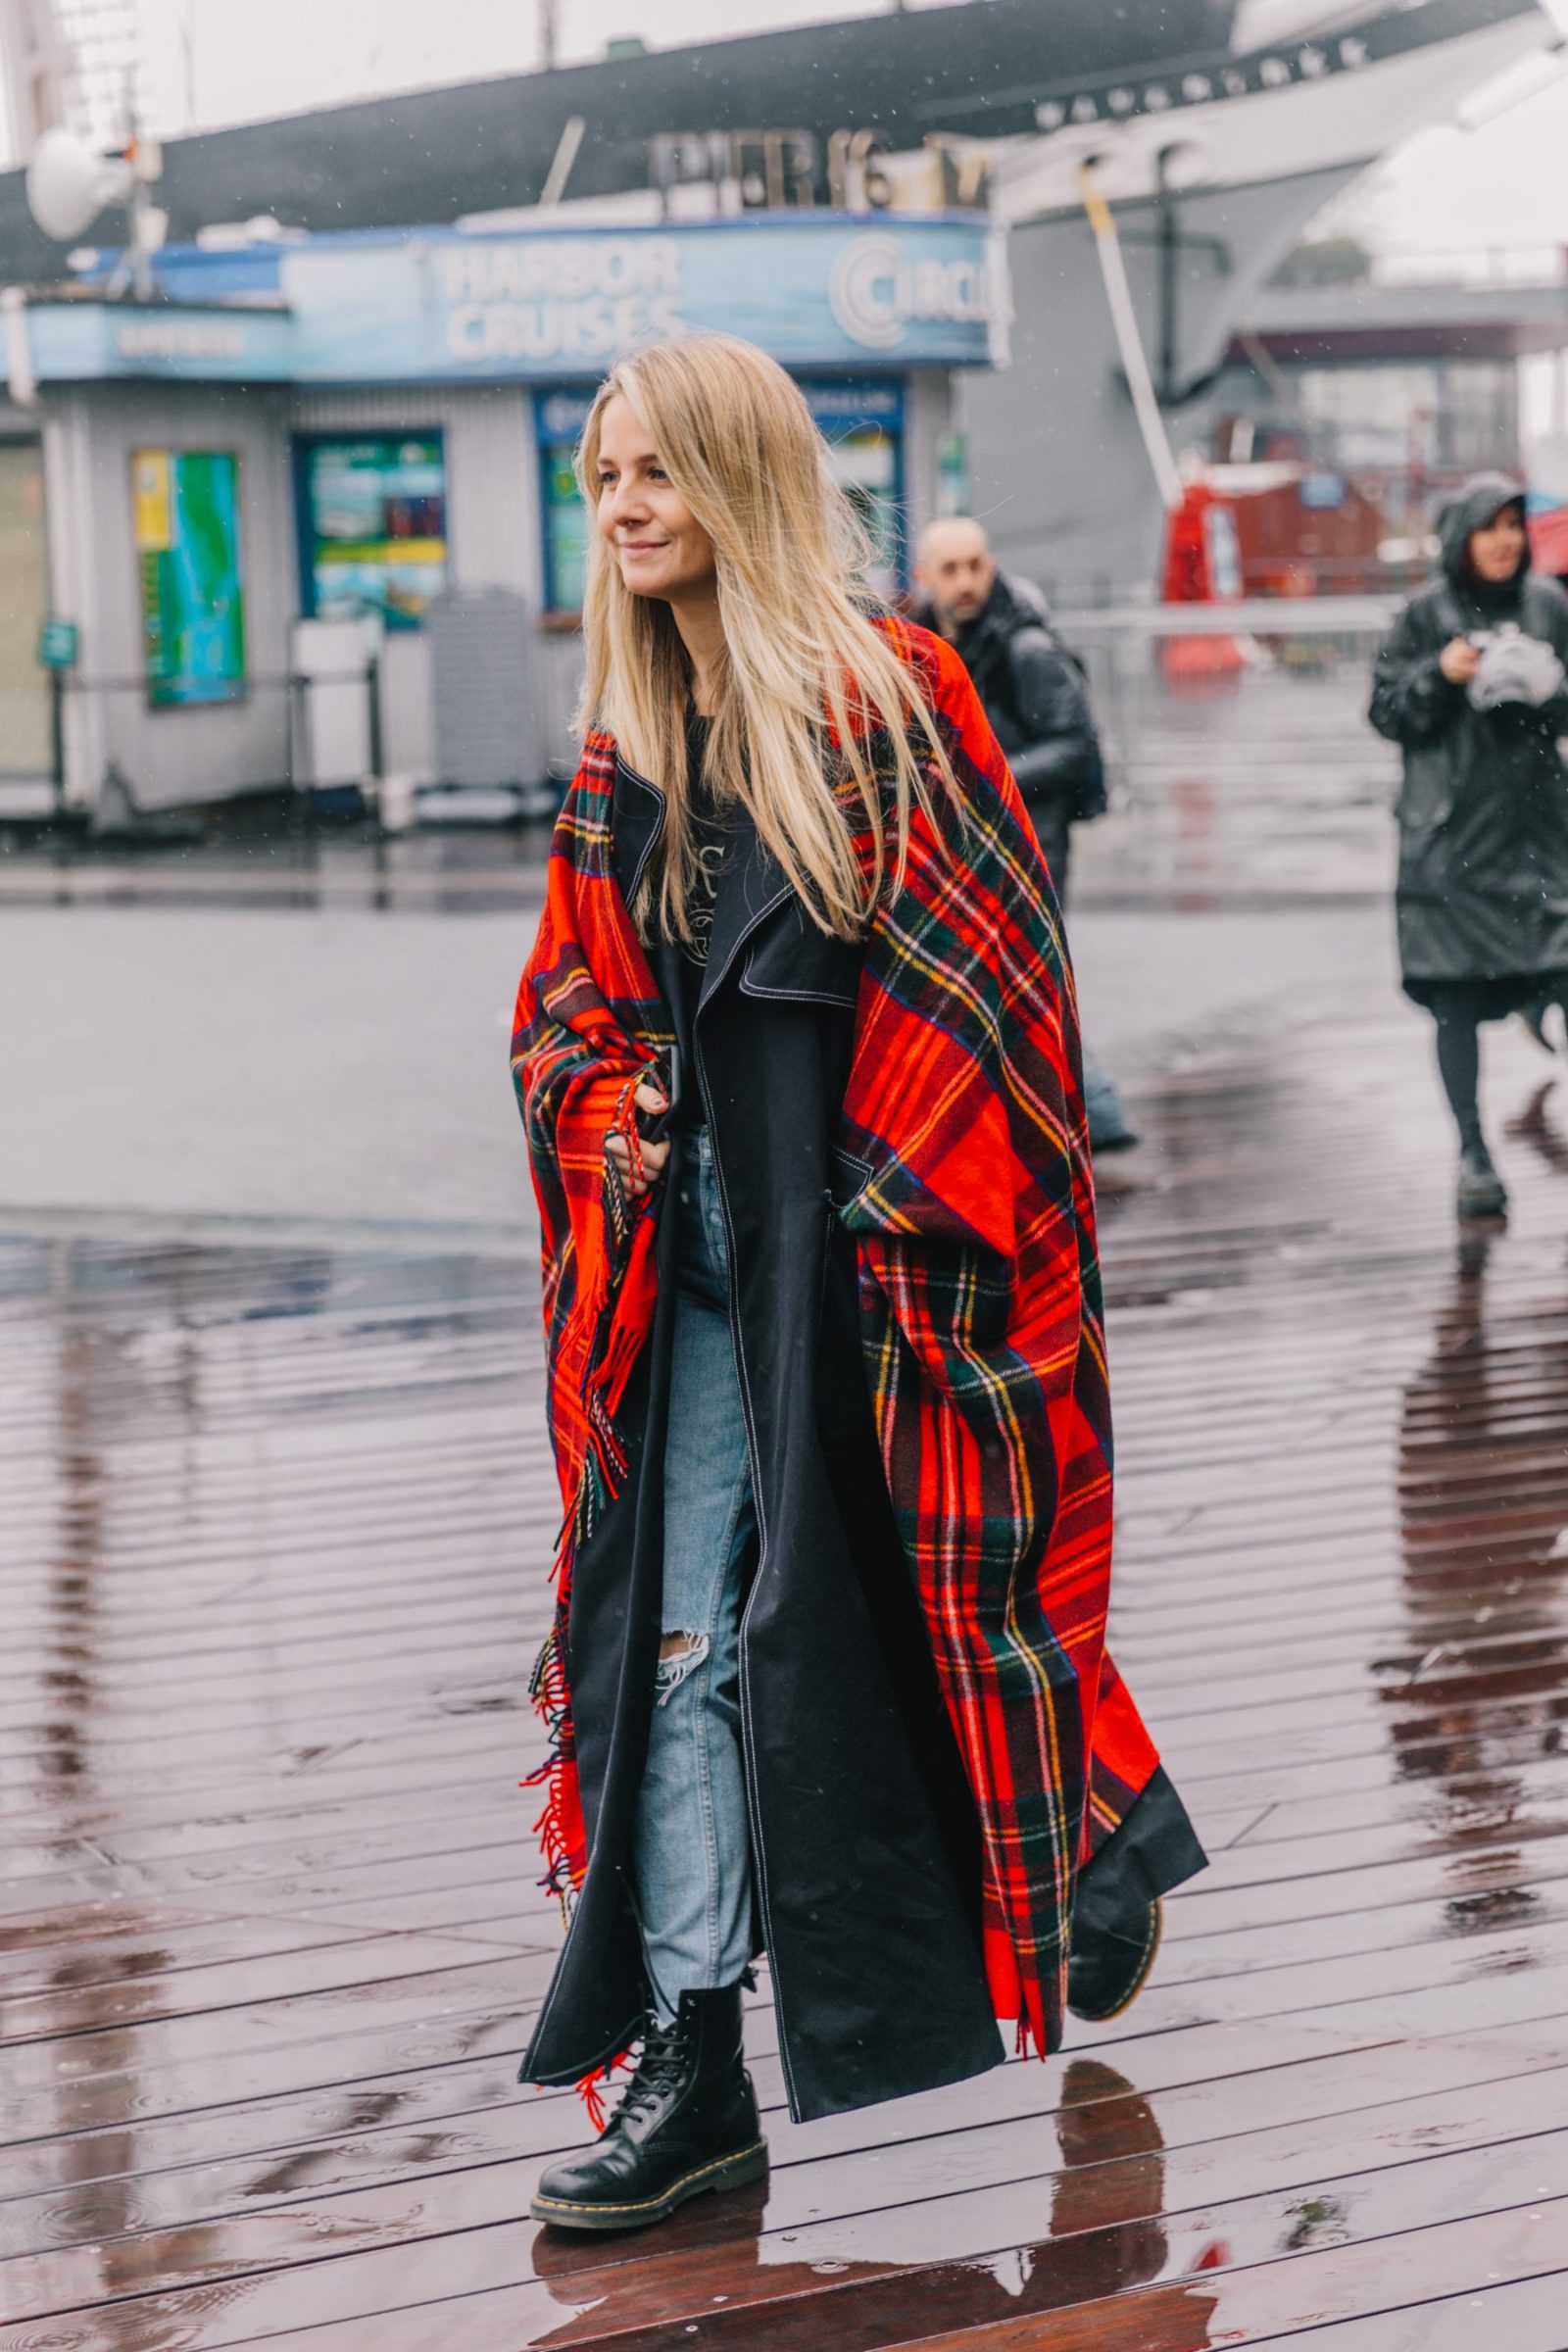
804	666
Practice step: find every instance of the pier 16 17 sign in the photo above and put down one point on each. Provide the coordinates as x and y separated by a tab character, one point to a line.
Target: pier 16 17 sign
454	306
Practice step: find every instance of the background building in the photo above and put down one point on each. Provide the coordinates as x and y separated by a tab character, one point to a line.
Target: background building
1395	388
399	404
310	455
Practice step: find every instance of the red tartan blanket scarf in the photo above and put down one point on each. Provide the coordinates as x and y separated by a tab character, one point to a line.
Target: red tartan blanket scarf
980	1305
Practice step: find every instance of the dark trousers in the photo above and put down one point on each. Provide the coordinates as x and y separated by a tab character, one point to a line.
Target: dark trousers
1055	828
1459	1009
1108	1124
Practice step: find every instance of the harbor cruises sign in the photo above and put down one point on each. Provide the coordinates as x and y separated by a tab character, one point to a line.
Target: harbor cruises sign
587	298
442	306
822	292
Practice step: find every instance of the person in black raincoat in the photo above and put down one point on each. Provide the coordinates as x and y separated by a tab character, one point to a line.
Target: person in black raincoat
1473	685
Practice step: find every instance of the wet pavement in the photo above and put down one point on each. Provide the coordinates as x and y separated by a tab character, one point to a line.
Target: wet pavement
459	870
275	1523
222	1069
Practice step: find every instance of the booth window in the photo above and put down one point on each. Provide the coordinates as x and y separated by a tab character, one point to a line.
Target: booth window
373	525
862	425
861	421
185	523
558	418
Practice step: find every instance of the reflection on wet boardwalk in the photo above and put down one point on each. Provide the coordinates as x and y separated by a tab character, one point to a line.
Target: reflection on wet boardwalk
273	1534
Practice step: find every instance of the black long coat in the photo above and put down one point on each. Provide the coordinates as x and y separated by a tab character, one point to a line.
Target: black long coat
1483	883
867	1846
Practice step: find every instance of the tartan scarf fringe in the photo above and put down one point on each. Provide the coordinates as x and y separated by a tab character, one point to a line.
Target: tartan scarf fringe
611	1356
547	1690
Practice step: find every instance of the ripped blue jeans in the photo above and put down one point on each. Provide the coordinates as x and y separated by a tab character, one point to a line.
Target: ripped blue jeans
691	1855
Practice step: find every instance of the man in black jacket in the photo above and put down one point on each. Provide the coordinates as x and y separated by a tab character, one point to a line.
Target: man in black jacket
1033	691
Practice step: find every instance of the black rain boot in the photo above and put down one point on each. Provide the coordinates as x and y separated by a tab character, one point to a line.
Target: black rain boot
1116	1936
688	2123
1482	1192
1533	1018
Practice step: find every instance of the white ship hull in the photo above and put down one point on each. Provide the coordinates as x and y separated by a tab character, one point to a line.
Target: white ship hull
1058	468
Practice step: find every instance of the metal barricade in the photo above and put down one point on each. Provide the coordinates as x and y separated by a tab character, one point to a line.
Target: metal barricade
1238	750
186	756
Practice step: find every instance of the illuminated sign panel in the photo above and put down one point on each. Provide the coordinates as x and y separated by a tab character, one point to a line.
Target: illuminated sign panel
185	523
376	524
818	290
815	292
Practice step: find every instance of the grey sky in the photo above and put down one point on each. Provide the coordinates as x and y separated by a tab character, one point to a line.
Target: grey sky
217	61
258	61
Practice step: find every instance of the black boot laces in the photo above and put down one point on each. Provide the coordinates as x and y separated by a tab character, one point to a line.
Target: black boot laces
660	2068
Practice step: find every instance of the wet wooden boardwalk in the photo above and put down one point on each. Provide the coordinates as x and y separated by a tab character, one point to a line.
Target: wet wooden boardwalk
273	1527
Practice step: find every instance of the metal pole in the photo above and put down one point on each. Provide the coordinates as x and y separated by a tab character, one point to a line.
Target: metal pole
57	742
1124	320
1169	247
549	31
561	161
373	681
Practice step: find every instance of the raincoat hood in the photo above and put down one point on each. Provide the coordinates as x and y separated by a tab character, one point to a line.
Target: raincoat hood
1472	507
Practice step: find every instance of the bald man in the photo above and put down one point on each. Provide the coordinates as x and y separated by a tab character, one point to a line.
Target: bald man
1034	697
1033	691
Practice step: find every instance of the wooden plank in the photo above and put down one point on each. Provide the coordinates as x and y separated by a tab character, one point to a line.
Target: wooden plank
954	2259
265	1980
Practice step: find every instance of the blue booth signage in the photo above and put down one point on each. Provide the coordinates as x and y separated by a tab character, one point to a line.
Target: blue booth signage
75	342
451	306
826	291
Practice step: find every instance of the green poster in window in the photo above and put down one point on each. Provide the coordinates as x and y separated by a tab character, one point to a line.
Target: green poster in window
186	523
565	533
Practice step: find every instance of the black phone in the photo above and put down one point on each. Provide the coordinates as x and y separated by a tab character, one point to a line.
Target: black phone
652	1126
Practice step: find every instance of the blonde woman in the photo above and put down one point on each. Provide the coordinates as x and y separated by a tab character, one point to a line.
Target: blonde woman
797	1059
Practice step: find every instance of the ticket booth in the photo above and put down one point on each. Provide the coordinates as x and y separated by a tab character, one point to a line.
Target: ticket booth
355	428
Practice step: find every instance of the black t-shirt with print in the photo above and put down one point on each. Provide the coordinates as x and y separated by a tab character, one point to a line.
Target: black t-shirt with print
713	836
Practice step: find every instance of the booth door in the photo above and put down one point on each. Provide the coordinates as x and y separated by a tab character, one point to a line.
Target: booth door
24	605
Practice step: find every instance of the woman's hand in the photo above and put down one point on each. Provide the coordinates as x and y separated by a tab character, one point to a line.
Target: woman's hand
650	1098
1458	660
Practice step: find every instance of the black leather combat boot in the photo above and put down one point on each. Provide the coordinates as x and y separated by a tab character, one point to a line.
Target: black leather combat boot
688	2123
1116	1936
